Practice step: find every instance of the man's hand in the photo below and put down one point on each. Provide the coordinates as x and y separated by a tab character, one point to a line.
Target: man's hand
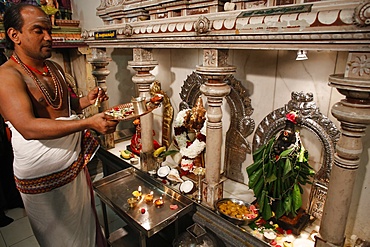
102	124
97	94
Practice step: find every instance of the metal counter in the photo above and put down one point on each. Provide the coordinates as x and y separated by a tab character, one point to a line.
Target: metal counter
115	189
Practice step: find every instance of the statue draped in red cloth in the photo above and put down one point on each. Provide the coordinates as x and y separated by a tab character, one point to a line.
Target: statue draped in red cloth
136	139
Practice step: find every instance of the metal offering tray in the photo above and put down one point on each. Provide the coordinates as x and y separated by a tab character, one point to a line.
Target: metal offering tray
115	189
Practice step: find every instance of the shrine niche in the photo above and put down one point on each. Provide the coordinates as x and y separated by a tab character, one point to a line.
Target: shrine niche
241	125
323	128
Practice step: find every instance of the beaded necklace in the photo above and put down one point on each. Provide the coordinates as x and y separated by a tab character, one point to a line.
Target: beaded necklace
51	101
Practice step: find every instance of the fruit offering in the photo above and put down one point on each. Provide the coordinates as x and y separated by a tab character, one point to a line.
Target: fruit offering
238	211
120	111
158	151
126	154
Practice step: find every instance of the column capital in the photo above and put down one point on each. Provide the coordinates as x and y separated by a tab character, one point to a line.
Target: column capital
215	64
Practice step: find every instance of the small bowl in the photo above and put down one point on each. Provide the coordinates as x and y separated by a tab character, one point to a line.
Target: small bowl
159	202
245	216
148	197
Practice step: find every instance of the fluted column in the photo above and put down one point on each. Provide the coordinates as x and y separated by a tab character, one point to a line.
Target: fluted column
99	61
215	69
353	112
143	63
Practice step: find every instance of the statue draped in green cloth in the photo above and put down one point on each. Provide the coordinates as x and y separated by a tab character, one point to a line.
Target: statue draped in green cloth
50	7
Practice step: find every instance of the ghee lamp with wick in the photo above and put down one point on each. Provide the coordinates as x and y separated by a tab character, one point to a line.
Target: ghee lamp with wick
137	193
159	202
132	201
149	197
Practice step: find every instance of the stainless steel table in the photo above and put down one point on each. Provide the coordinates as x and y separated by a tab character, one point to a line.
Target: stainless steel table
146	218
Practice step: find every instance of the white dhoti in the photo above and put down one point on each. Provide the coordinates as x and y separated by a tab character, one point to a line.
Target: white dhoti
62	217
56	191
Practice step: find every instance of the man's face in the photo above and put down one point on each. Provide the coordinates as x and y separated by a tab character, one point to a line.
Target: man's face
35	37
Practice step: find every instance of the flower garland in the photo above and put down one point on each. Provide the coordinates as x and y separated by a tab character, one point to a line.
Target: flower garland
188	149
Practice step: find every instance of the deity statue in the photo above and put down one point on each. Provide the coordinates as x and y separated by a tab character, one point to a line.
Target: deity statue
136	144
287	137
190	135
51	8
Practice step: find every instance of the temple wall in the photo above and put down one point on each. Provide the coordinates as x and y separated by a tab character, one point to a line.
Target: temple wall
269	75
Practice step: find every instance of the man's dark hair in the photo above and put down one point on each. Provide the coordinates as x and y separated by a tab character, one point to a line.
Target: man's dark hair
13	18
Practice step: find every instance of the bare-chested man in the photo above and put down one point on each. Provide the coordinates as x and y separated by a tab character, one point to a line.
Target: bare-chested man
51	145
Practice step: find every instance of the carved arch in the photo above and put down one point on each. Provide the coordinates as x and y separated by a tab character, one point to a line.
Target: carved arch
241	125
323	128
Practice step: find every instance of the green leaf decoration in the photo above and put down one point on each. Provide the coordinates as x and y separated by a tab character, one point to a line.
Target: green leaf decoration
271	179
288	203
257	155
261	201
267	212
252	168
254	178
301	154
287	167
280	211
286	152
258	188
168	152
297	197
279	180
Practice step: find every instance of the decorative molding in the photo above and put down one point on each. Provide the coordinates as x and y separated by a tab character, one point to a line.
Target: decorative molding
361	17
358	66
202	25
339	26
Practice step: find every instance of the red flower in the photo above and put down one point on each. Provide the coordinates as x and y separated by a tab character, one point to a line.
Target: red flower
201	137
292	117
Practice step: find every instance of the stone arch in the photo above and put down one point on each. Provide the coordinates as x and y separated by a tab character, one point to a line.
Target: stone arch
241	125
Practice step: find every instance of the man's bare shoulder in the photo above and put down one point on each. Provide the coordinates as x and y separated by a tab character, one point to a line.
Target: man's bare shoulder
10	74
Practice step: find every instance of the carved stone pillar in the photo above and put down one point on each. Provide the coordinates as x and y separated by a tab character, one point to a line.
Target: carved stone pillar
99	61
215	69
353	112
143	63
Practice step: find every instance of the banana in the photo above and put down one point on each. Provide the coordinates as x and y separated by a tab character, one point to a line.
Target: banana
125	154
158	151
